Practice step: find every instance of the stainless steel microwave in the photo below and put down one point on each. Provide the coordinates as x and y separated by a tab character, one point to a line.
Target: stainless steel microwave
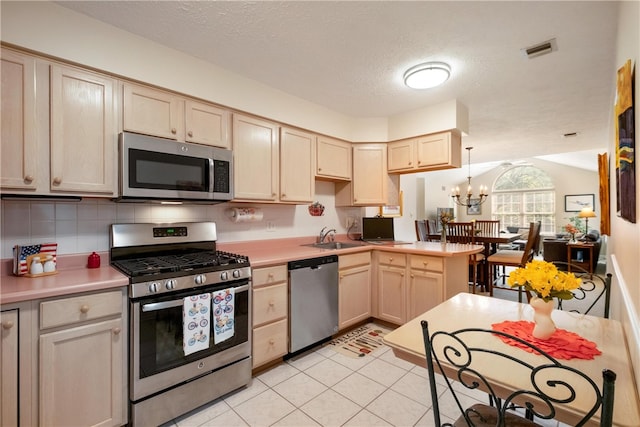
158	169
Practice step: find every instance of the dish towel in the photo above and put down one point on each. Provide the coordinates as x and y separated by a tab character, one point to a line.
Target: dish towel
223	309
196	319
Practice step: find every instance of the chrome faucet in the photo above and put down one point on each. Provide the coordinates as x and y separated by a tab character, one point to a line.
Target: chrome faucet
323	235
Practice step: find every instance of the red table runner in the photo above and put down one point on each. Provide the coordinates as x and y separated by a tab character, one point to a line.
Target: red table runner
561	345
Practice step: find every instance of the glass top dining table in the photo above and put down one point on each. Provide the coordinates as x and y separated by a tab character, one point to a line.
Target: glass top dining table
469	310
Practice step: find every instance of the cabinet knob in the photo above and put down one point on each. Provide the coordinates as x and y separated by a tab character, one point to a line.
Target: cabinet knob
341	277
28	179
419	162
425	263
174	131
319	169
116	331
390	259
401	274
270	275
271	341
410	163
7	325
84	308
412	276
57	180
190	133
271	303
283	195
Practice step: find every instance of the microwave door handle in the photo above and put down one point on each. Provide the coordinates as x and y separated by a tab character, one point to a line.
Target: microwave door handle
212	175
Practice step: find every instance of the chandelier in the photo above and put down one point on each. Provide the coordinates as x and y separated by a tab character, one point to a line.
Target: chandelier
469	201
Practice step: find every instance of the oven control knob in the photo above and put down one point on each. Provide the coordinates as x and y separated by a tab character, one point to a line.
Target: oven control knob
200	279
236	273
224	276
170	284
153	287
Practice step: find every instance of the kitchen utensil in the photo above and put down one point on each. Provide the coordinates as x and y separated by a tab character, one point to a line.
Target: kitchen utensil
353	351
363	350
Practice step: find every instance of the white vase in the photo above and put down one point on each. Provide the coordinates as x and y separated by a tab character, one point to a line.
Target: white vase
544	326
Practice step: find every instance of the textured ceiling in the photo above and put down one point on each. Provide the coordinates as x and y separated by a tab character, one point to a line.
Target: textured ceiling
350	56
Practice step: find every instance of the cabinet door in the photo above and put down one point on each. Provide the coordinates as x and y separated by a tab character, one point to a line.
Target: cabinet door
369	174
425	291
255	149
18	150
9	368
297	183
391	298
81	375
83	132
401	155
439	151
153	112
207	124
333	160
354	296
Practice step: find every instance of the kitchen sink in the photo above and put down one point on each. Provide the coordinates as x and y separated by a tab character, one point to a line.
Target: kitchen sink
333	245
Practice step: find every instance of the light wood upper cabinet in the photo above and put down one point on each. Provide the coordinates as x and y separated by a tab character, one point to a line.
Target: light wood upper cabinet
429	152
18	148
297	162
83	132
333	159
207	124
256	159
153	112
160	113
368	186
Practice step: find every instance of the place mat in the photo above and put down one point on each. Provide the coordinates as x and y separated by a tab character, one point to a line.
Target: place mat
360	341
561	345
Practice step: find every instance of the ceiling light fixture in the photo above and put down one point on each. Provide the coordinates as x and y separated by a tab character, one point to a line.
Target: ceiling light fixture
427	75
469	201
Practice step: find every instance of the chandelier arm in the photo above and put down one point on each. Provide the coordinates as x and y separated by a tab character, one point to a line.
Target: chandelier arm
455	193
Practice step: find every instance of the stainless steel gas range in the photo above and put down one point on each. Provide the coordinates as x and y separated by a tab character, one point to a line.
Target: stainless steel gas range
170	265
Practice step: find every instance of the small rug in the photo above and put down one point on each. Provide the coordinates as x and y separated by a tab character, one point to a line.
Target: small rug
359	342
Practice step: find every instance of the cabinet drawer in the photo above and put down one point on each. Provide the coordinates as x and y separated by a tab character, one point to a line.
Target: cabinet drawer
269	303
269	275
352	260
269	342
79	309
392	258
430	263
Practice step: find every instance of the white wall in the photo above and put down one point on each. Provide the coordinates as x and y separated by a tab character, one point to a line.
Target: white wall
624	245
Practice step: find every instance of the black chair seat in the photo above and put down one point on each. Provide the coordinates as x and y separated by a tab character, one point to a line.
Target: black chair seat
485	415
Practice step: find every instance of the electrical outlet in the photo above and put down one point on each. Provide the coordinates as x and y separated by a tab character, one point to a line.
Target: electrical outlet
271	226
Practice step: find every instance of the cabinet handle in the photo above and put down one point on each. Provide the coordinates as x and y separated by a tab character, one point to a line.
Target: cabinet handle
7	325
173	131
28	179
272	303
190	133
116	331
271	341
84	308
57	180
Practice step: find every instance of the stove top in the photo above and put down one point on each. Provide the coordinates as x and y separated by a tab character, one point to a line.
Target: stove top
186	263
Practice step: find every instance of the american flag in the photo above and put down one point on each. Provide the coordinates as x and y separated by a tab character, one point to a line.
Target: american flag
22	252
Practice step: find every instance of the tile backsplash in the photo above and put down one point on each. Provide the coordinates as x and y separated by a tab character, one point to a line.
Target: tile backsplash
83	227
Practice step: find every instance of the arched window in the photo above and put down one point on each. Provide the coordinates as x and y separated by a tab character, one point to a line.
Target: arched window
524	194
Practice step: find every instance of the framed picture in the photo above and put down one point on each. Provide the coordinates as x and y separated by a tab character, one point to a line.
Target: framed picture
392	210
575	202
475	209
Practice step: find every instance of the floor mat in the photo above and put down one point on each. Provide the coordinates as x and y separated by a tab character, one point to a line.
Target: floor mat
359	342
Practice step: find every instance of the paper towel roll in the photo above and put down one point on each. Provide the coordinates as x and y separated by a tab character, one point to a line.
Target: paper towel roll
244	214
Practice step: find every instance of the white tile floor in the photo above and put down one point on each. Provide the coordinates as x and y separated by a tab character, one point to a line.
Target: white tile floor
324	388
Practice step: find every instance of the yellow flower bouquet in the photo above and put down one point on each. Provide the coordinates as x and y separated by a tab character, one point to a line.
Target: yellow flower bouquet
545	280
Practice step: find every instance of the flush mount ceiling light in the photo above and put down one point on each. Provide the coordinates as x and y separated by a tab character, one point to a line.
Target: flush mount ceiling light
427	75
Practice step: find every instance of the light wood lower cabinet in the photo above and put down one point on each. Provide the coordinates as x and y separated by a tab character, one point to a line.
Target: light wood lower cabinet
426	284
391	286
82	357
9	356
354	289
270	314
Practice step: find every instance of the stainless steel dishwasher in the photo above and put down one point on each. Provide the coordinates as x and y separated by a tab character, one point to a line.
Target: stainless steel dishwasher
313	301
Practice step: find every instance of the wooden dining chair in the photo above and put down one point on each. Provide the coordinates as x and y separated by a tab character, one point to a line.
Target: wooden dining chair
512	258
543	383
489	227
464	232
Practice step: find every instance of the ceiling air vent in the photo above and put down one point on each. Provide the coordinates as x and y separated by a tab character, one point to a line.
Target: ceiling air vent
540	49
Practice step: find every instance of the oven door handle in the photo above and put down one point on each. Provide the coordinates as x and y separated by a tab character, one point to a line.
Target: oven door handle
155	306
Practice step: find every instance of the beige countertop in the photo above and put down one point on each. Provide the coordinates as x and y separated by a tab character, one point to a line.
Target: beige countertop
74	277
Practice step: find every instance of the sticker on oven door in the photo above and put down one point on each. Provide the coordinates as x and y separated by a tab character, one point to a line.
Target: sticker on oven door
196	317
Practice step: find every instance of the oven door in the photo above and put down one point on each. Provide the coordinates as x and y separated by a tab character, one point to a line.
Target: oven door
158	360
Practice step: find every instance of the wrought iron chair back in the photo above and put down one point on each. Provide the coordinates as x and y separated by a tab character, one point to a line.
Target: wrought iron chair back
594	288
466	353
